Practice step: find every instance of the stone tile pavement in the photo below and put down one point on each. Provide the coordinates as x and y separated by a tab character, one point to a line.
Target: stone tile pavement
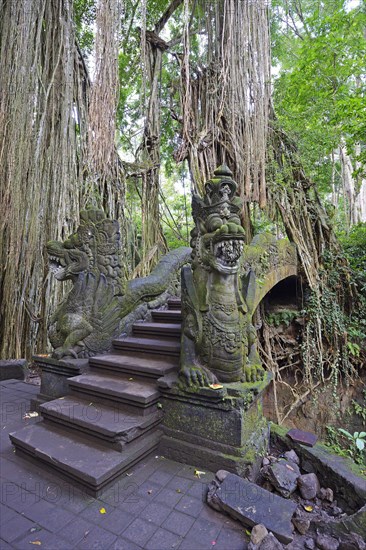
158	505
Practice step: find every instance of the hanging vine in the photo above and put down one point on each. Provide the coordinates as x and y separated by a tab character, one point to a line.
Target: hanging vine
225	97
40	191
105	177
333	299
56	131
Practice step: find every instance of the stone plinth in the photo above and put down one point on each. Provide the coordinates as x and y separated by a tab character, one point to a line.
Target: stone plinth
216	429
13	368
54	377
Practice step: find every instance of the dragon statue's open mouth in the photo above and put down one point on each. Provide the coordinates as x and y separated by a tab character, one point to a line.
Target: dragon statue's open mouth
228	251
57	266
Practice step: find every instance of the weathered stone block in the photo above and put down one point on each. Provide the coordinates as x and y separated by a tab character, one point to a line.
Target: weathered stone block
54	375
251	505
13	368
216	430
283	475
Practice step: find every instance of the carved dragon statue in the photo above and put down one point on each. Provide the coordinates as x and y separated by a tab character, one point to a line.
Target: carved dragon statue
218	339
91	259
92	314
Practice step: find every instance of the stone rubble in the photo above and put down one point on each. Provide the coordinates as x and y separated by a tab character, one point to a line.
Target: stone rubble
283	475
311	519
308	485
291	455
326	542
326	494
259	532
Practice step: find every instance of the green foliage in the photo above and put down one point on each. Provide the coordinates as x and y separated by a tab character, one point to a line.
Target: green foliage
360	410
283	317
84	17
319	93
175	211
355	248
354	245
344	443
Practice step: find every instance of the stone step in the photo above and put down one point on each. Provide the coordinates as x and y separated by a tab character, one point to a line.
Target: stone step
162	330
111	423
148	345
174	303
134	364
139	393
79	458
166	315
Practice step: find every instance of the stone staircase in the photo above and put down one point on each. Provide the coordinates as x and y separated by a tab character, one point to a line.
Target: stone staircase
110	420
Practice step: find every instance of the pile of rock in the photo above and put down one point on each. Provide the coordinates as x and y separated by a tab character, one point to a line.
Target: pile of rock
286	506
283	475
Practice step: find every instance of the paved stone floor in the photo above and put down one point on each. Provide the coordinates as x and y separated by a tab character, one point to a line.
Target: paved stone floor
158	505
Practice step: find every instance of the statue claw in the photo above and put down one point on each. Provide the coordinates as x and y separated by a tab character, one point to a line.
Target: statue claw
253	373
61	353
196	376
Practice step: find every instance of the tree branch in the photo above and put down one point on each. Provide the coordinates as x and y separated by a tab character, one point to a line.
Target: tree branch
166	15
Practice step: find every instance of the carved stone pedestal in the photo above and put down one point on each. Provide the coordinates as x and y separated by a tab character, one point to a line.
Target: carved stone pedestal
216	429
54	377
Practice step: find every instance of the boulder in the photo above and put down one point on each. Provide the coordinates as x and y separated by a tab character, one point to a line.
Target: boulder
221	474
326	494
259	532
270	543
291	455
326	542
302	525
308	485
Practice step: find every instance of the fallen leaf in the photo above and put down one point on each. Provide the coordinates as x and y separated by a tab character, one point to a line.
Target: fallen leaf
308	508
102	511
247	532
130	378
198	474
215	386
178	491
31	414
159	406
37	542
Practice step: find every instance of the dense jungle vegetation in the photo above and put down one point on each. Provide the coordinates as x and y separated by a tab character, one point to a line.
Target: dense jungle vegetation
129	105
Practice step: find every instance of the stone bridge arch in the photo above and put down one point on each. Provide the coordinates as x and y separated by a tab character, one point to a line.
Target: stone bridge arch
267	261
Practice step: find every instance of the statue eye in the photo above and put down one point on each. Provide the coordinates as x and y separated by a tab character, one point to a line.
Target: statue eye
213	222
235	219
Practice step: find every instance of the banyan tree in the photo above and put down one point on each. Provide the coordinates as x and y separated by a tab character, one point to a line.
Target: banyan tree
187	80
